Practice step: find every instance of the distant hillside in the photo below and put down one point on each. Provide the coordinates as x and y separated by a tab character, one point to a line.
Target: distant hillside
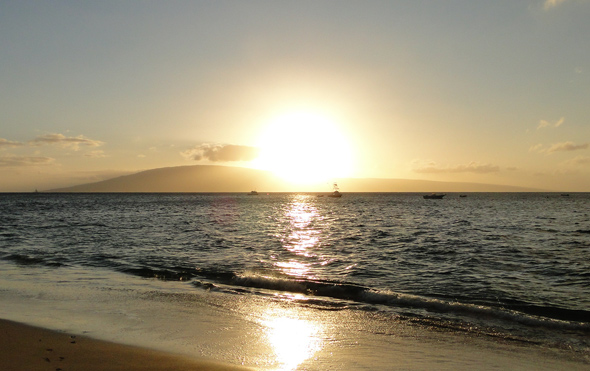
207	178
198	178
409	185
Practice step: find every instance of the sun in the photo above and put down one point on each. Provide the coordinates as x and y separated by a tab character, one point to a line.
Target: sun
305	148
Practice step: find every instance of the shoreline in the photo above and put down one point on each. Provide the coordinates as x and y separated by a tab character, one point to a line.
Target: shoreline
30	348
169	326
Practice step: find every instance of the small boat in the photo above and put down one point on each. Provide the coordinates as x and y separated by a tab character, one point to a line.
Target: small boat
253	193
434	196
462	195
336	192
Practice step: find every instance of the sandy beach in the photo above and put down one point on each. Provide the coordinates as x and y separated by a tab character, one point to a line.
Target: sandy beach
125	323
24	347
29	348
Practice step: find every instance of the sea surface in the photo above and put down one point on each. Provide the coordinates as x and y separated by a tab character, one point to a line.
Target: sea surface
510	267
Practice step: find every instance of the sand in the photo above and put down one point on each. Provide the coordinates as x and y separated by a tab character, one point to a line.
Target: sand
202	330
24	347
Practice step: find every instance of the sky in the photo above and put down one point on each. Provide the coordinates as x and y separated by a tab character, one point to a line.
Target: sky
471	91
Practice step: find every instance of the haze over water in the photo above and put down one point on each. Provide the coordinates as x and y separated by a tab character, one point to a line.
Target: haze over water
511	266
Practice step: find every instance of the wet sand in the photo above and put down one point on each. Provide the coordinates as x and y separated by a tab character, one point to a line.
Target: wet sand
24	347
166	327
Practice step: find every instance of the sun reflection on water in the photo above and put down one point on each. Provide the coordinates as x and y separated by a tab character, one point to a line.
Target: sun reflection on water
294	268
301	237
292	339
292	336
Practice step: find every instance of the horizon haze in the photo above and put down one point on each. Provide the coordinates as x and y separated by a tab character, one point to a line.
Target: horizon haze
458	91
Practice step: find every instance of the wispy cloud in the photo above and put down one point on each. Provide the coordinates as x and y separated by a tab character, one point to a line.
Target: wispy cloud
552	3
65	142
95	154
558	147
20	161
472	167
221	153
5	143
556	124
566	146
578	161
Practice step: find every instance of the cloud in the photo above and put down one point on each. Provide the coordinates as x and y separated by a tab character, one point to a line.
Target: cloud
578	161
5	143
552	3
472	167
65	142
221	153
544	123
536	148
20	161
566	146
95	154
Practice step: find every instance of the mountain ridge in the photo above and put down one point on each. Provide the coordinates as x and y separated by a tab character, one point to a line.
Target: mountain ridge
215	178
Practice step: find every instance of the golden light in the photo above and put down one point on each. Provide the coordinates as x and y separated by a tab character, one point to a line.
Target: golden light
294	268
293	340
294	336
305	148
300	237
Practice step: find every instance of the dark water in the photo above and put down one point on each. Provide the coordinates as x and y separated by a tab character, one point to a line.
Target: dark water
509	265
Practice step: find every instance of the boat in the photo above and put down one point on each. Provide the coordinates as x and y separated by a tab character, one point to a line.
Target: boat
462	195
336	192
253	193
434	196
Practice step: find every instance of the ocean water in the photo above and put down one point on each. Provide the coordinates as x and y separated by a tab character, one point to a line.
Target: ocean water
508	267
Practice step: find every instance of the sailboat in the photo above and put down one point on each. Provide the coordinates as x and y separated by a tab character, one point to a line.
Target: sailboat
336	192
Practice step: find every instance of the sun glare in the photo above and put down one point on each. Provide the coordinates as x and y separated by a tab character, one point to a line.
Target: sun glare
305	148
293	340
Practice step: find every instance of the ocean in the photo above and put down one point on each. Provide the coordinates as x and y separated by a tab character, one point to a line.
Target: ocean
343	283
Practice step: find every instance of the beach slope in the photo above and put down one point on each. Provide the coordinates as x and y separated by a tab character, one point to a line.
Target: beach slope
24	347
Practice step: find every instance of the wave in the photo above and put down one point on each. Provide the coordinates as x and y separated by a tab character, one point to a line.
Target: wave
525	314
530	315
22	259
161	274
325	293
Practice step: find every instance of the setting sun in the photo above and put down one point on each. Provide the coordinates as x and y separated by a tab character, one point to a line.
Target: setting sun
305	148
